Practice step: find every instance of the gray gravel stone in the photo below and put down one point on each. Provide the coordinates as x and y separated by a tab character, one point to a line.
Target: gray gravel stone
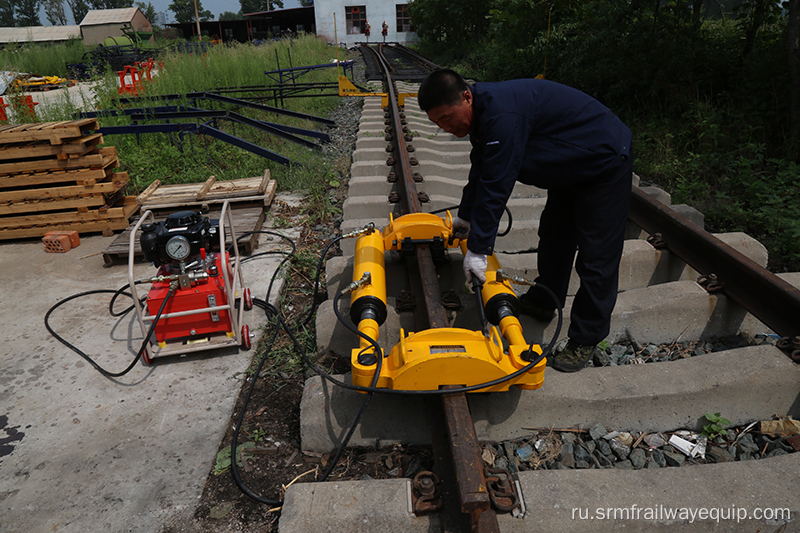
620	450
603	358
590	446
604	448
581	454
776	452
719	455
568	461
604	461
598	431
567	448
747	444
674	459
654	440
658	458
624	465
568	437
638	458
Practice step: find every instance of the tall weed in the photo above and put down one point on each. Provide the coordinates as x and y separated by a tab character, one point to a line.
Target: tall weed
42	59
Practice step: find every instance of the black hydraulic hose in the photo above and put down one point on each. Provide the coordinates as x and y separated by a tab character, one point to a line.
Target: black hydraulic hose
121	292
268	308
315	300
501	234
283	261
100	369
362	410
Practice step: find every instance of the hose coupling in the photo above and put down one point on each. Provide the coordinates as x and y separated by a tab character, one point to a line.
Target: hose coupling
369	228
519	280
365	280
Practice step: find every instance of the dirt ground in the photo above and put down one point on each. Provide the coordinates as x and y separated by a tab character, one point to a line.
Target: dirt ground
271	425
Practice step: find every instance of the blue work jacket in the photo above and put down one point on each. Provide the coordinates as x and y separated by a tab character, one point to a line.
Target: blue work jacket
537	132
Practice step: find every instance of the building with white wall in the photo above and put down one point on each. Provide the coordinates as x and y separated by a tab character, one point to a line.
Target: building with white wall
352	17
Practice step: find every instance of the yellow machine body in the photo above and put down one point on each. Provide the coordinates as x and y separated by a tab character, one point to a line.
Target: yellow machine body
430	359
347	88
419	227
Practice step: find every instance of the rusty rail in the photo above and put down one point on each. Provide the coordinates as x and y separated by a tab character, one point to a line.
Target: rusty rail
770	299
465	470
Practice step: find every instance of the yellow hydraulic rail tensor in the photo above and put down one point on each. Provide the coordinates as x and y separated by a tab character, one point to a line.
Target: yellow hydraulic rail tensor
430	359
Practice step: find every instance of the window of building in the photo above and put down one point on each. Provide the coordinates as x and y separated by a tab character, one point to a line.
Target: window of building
355	19
403	19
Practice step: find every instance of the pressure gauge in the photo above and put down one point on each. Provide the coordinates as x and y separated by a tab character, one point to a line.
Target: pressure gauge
178	247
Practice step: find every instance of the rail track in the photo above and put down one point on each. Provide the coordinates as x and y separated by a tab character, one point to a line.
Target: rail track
404	165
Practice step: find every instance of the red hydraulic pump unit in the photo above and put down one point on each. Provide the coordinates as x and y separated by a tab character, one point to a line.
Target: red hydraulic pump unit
195	286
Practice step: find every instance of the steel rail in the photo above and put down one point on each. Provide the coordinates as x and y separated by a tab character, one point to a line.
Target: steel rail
464	451
427	64
770	299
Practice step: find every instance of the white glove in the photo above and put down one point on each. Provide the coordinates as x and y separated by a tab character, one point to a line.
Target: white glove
475	265
460	228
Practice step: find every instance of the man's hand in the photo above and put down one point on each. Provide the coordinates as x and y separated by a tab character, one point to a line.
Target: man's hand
460	228
475	265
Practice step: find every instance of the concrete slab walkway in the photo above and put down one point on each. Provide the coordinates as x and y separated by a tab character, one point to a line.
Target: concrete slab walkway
80	452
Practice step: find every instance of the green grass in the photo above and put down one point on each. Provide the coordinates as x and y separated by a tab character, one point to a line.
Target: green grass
42	59
193	158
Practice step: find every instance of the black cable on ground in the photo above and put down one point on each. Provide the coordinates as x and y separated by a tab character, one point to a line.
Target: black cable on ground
88	359
238	426
362	410
315	301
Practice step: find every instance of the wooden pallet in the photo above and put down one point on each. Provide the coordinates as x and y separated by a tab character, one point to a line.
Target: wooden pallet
34	150
257	189
56	176
99	220
52	132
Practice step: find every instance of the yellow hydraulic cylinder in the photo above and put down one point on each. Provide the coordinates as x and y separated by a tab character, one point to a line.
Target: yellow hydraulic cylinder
368	300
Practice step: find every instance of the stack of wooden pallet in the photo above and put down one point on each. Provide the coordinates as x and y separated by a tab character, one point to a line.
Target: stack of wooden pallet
55	176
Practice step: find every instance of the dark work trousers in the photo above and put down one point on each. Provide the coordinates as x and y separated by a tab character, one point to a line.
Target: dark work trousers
589	218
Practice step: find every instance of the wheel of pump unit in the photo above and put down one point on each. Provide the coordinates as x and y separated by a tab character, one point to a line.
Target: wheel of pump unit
247	298
246	344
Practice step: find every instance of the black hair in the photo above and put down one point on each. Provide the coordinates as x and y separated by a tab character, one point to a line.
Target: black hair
441	87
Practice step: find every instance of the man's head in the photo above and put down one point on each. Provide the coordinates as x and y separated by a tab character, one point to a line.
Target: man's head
447	99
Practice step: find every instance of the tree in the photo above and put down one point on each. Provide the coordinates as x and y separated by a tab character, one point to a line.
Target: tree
184	11
110	4
54	10
306	3
79	9
793	42
7	18
229	15
148	11
254	6
28	13
458	23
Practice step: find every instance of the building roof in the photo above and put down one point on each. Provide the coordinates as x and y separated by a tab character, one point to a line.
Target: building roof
109	16
285	11
39	34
